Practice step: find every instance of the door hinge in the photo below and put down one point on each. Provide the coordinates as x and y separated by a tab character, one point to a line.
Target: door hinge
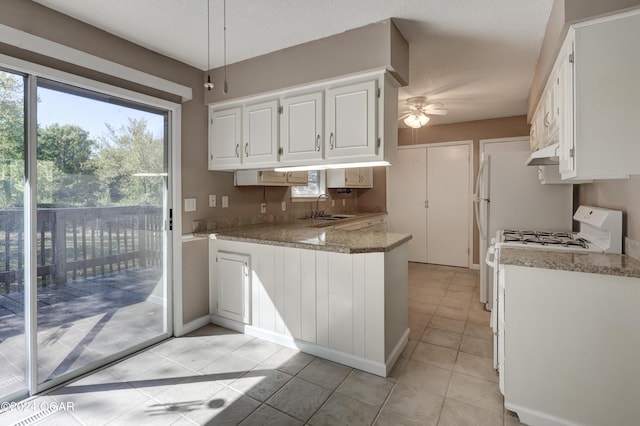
280	151
216	259
281	110
379	143
378	92
571	152
426	204
571	57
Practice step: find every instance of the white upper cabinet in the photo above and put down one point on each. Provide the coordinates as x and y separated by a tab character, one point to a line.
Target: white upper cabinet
260	133
301	128
351	121
598	70
225	138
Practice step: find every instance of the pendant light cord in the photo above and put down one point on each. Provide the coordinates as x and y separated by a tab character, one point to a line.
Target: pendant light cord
225	87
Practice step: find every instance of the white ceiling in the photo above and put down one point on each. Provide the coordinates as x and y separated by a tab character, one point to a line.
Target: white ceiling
475	56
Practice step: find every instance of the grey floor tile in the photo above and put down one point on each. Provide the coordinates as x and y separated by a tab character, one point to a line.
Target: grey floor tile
448	339
479	317
415	331
477	330
414	405
419	319
100	403
453	313
408	349
260	384
257	350
288	360
268	416
299	398
229	342
434	355
456	413
456	302
226	407
340	409
477	366
324	373
365	387
425	377
448	324
477	346
148	413
391	418
189	391
228	368
477	392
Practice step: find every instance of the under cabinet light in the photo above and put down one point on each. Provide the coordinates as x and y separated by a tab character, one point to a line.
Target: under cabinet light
332	166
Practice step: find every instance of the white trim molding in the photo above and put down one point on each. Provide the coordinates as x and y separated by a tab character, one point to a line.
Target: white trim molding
49	48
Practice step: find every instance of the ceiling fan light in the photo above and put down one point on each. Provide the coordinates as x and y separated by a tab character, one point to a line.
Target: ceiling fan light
416	120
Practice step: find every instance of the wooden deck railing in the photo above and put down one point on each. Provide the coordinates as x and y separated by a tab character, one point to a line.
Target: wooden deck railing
77	243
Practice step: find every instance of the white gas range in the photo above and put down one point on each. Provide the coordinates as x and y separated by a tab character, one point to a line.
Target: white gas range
600	232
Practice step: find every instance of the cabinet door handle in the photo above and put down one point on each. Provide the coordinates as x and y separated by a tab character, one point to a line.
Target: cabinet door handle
237	150
331	141
246	149
318	143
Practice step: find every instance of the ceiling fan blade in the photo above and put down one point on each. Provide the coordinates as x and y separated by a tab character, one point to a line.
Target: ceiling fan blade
405	115
433	105
437	112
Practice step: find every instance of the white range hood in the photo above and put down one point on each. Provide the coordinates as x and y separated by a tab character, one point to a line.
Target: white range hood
545	156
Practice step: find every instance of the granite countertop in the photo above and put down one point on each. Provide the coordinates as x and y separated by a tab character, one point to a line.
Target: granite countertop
302	234
594	263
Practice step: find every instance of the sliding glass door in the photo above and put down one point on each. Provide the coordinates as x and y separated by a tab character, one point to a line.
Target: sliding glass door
13	366
102	183
93	229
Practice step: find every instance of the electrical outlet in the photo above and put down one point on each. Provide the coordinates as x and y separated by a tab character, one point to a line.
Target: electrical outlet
212	200
263	208
225	201
284	206
189	204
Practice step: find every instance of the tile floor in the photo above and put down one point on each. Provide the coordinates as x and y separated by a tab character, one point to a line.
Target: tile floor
214	376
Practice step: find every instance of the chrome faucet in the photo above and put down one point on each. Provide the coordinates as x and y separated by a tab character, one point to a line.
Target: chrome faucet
317	212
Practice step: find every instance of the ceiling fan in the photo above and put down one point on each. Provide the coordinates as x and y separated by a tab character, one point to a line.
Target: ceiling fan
419	111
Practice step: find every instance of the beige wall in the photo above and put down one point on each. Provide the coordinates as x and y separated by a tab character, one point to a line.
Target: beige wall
619	194
472	130
375	46
563	14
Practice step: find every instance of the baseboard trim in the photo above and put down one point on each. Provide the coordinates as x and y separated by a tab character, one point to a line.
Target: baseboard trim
534	417
397	351
373	367
193	325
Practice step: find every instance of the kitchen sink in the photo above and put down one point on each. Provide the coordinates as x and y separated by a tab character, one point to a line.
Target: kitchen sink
335	217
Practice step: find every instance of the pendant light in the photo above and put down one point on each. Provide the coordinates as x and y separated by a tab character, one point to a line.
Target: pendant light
208	85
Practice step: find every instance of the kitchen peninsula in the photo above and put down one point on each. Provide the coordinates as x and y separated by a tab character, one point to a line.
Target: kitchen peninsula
337	294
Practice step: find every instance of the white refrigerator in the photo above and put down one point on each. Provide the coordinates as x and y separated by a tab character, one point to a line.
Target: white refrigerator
508	195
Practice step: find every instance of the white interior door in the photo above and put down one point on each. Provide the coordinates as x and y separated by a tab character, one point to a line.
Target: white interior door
406	201
449	205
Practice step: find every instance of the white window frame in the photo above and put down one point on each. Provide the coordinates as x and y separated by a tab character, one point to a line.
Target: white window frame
322	188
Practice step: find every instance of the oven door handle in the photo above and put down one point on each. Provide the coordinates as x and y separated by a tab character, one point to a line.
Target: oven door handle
490	257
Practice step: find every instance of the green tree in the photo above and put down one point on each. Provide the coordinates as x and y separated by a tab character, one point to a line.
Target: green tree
11	140
126	158
66	170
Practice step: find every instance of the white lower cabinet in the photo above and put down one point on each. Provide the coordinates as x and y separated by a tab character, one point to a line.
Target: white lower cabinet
232	282
349	308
